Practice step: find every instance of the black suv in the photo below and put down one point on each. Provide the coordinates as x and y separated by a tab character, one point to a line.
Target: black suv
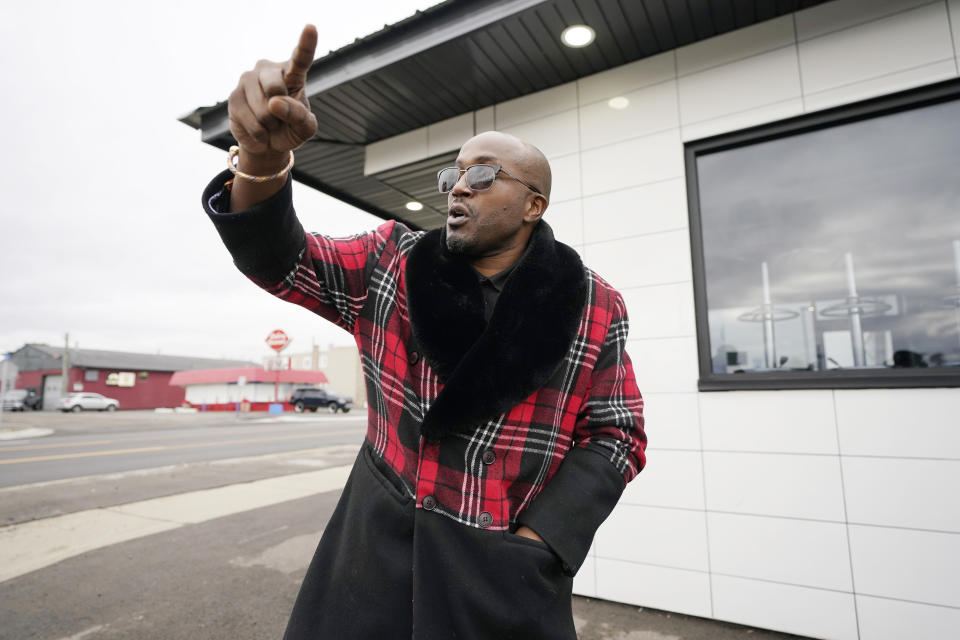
313	399
21	400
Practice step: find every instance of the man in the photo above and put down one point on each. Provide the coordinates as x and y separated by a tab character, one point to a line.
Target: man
504	418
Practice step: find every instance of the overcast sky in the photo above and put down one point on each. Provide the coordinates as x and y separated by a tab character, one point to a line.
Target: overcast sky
101	230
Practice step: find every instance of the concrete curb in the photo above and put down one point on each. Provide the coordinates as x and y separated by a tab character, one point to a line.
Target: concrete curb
29	432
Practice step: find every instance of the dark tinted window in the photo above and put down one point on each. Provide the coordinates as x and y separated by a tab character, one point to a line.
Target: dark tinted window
834	249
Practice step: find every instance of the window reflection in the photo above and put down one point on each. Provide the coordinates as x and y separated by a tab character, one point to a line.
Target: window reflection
837	248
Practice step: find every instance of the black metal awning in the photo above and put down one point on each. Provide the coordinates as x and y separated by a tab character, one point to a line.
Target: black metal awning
463	55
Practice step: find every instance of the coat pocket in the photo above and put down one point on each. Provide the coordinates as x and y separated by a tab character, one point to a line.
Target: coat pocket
513	538
388	479
476	585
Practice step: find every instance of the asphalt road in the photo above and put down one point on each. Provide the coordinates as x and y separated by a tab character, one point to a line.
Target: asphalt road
91	444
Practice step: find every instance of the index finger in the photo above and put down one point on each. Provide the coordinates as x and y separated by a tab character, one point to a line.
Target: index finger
301	59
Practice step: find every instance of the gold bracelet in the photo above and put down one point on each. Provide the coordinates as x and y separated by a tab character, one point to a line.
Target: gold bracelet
234	154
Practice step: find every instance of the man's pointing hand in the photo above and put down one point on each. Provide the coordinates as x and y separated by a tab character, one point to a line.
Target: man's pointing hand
269	112
270	117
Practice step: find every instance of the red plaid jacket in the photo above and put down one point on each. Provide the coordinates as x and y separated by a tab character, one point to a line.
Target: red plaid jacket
535	418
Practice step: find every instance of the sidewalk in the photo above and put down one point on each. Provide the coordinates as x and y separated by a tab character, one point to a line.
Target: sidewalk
30	546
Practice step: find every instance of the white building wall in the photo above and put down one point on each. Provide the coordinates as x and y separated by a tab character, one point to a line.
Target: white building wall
220	393
829	514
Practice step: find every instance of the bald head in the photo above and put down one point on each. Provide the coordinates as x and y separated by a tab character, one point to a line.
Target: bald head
492	222
517	156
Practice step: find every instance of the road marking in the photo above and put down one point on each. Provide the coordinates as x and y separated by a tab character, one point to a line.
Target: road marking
31	447
34	545
86	454
193	445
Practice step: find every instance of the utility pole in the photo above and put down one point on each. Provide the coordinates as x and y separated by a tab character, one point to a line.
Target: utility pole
65	365
3	385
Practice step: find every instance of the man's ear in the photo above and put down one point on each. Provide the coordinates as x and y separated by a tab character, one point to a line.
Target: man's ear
536	207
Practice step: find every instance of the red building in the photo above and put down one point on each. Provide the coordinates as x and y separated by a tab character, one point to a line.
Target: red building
137	380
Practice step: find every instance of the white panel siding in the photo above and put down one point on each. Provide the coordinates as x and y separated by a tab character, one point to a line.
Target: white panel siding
742	119
885	619
484	120
585	582
907	49
919	566
619	80
791	486
666	364
954	9
536	105
736	87
769	421
566	179
566	220
672	420
448	135
661	258
919	423
648	110
637	161
396	151
891	83
810	612
670	479
555	135
920	494
660	311
664	537
736	45
660	206
842	14
649	586
800	552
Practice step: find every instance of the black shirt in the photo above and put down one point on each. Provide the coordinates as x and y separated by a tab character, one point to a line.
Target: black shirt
491	288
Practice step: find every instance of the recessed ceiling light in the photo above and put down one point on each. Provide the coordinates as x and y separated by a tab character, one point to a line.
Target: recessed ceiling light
618	103
578	35
414	206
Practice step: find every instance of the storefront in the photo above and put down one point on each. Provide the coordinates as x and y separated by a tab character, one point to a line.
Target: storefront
776	196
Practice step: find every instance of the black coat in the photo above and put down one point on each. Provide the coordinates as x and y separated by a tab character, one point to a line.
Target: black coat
385	570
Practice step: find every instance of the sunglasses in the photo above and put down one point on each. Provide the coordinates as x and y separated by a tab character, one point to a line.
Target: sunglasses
479	177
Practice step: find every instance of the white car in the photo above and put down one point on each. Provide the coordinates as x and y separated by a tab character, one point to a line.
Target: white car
77	402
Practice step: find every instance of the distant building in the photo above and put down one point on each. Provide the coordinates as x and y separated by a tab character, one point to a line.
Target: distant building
254	388
137	380
341	364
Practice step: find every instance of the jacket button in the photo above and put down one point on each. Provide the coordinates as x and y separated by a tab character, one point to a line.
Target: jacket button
414	357
485	519
489	457
429	503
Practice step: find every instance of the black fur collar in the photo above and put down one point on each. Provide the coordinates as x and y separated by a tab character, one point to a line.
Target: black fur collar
487	369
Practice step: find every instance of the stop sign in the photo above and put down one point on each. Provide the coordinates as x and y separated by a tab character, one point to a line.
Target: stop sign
278	339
